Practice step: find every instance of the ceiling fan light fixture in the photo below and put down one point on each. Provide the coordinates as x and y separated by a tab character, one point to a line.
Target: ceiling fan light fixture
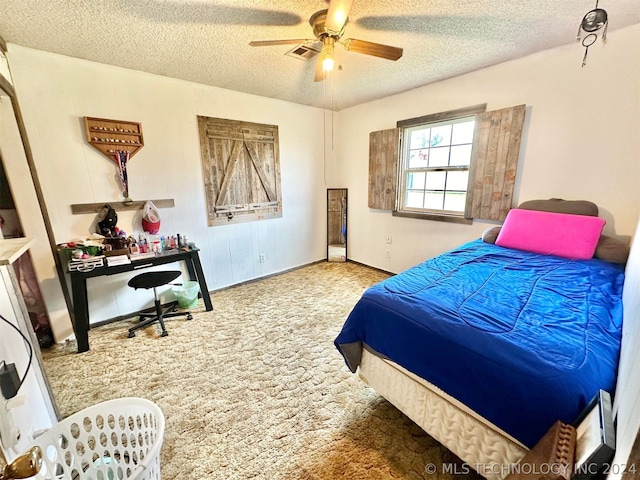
328	63
326	54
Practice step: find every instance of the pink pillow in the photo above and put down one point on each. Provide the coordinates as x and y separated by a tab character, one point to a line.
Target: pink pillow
561	234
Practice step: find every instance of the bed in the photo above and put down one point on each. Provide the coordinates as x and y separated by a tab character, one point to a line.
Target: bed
486	346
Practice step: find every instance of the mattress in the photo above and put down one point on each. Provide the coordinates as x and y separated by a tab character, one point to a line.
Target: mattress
520	338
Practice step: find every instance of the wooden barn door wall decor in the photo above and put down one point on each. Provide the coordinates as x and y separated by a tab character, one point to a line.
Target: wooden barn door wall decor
241	170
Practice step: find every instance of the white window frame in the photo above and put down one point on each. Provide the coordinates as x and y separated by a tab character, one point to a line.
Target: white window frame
410	125
405	169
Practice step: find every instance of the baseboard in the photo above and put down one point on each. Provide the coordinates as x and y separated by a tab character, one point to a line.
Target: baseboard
257	279
370	267
151	309
270	275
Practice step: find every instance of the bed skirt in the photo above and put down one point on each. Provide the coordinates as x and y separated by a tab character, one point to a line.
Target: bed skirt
480	444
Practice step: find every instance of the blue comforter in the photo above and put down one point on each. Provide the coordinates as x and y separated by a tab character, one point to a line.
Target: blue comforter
523	339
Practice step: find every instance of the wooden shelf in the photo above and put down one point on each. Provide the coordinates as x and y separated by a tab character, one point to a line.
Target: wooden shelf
111	136
81	208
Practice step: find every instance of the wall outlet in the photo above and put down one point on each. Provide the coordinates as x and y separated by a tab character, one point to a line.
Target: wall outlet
263	258
388	255
389	238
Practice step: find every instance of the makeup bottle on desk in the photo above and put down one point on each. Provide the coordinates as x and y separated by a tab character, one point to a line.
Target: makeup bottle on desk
143	247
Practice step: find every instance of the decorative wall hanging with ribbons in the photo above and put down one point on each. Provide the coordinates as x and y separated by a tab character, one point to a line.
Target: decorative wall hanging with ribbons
117	139
121	159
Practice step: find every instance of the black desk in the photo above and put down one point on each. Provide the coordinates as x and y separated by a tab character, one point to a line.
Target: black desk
79	285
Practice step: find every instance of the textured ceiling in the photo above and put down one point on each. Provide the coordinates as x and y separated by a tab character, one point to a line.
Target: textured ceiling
207	41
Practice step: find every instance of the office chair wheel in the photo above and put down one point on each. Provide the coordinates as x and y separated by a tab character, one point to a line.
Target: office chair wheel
189	317
132	334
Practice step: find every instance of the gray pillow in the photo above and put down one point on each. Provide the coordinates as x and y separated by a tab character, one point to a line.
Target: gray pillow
557	205
490	234
612	250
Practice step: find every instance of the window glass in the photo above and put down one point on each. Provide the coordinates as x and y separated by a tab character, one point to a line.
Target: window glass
455	201
420	138
440	136
436	180
460	155
439	157
463	132
434	200
457	180
414	198
418	158
416	180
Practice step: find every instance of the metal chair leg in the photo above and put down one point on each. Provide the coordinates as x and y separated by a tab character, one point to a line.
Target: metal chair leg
159	317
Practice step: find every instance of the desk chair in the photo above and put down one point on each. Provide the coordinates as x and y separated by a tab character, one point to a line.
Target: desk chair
152	280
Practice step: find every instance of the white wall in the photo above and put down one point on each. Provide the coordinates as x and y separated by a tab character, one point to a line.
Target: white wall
56	92
581	141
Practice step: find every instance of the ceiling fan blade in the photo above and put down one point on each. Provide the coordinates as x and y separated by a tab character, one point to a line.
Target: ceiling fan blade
269	43
337	14
319	73
370	48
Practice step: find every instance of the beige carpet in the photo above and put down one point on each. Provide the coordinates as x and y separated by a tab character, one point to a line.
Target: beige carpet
255	388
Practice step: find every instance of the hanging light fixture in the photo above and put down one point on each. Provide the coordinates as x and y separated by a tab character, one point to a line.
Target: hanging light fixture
326	54
591	23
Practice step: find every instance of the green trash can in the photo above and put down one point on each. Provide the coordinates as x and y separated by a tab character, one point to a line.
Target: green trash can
187	294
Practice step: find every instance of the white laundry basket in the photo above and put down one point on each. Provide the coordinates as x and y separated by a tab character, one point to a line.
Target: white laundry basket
114	440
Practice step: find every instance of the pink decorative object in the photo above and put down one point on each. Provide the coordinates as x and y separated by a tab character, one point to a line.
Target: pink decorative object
561	234
150	218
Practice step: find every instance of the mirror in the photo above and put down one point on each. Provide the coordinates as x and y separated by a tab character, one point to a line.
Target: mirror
336	224
11	225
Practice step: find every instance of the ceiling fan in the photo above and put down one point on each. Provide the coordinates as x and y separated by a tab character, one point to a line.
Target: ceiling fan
328	27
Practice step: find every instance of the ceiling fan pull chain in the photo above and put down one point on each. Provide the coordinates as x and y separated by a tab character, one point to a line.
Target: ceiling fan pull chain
324	128
332	107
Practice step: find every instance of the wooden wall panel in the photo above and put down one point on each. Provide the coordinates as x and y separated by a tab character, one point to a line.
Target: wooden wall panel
383	168
241	168
494	162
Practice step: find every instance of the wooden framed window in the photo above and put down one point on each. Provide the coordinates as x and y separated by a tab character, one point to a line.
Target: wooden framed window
450	166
